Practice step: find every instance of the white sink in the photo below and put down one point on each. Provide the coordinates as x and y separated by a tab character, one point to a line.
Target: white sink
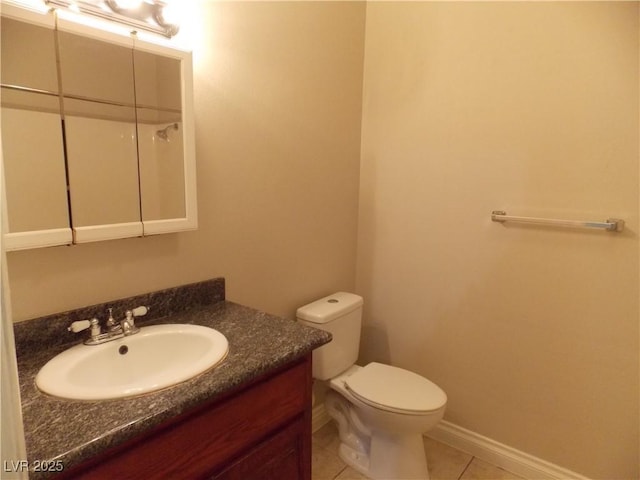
157	357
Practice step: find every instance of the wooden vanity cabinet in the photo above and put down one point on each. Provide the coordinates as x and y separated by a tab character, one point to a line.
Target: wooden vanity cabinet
261	431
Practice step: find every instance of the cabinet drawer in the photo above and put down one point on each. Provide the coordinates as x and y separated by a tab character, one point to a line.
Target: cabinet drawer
202	443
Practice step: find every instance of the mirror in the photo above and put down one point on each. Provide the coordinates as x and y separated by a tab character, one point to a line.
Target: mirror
160	142
32	136
121	118
166	141
98	97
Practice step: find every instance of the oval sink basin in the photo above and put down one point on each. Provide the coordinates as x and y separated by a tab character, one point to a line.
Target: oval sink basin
157	357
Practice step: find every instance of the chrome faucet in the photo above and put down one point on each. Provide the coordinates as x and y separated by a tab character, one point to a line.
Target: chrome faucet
114	329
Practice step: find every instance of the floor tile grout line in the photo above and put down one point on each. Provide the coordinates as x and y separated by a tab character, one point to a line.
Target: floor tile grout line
340	472
466	468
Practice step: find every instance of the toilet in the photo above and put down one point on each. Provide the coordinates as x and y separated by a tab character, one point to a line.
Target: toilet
381	411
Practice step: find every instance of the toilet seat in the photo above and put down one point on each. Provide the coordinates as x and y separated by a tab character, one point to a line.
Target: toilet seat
395	390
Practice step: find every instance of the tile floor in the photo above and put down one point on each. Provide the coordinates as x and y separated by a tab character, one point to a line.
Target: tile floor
445	462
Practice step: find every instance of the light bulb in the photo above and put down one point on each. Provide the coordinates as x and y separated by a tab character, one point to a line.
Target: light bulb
171	14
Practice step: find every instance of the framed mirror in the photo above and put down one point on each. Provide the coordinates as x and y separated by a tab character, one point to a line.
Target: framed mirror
123	114
98	105
166	141
32	134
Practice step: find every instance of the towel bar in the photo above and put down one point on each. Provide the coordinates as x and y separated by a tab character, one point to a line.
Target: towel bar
611	225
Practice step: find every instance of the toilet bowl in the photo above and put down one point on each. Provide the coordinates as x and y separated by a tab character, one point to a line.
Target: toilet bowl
381	422
382	411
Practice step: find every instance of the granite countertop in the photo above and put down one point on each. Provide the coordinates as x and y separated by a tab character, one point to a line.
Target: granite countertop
73	431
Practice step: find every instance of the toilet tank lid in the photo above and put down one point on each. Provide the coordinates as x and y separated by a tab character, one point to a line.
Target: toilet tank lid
330	307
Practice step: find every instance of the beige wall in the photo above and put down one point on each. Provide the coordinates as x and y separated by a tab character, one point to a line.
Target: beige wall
278	91
532	108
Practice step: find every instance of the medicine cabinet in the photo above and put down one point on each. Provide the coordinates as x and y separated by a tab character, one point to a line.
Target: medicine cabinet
97	133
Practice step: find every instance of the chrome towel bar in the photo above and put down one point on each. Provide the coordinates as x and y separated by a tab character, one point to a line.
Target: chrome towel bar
611	225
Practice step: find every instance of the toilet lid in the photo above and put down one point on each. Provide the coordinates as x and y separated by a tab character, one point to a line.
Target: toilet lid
395	389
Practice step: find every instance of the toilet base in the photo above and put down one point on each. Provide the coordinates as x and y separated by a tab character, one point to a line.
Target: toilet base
378	455
397	456
389	459
359	461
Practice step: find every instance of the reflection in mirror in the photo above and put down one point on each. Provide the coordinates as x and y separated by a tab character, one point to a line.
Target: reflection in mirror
28	56
95	70
103	164
36	186
100	126
32	139
160	136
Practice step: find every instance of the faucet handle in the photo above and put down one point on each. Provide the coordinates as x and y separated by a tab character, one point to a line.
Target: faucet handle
139	311
79	326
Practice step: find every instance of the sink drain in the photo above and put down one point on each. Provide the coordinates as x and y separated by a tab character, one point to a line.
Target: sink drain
123	350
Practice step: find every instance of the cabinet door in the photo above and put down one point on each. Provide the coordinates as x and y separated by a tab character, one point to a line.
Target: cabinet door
100	135
279	457
32	139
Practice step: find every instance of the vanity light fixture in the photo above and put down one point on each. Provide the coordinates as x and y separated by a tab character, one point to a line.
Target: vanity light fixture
151	15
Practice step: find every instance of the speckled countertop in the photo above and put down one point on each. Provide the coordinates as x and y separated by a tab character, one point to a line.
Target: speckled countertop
73	431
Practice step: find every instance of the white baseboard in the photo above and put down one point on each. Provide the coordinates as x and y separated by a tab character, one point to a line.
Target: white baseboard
503	456
319	417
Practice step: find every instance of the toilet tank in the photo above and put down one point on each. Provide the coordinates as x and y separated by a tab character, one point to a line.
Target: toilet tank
341	315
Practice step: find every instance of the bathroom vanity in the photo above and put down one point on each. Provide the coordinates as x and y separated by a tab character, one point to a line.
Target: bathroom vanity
249	417
261	432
